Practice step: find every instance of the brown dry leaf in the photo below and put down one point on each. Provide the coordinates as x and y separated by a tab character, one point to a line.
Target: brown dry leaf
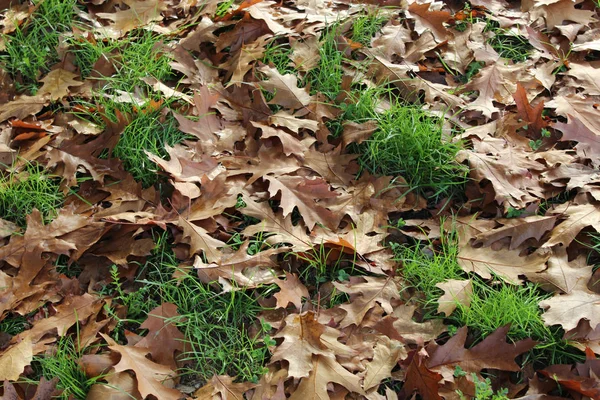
247	271
243	61
118	386
427	19
304	193
401	326
587	75
57	83
139	13
14	360
508	264
164	340
288	120
282	229
588	143
366	292
325	369
493	352
200	240
563	274
393	40
290	144
577	106
291	290
387	353
455	291
22	107
555	12
285	87
419	378
302	339
151	377
496	82
305	54
517	229
530	115
578	216
223	385
568	309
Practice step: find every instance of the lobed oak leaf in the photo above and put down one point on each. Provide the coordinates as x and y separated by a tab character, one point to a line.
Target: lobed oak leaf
582	379
492	352
508	264
21	107
392	40
288	120
305	54
587	75
386	354
456	291
163	339
496	82
282	229
518	230
428	19
285	87
556	12
563	274
304	193
291	290
139	13
419	378
247	271
243	60
578	217
366	292
57	83
223	385
324	370
400	325
200	240
568	309
290	144
151	377
531	115
14	360
577	106
588	142
118	386
301	341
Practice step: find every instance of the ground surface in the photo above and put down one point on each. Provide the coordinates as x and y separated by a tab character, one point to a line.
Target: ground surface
304	199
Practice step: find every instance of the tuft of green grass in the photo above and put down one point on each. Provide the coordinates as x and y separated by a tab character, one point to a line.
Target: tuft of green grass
507	44
222	332
408	142
14	324
33	187
278	54
424	267
32	48
150	131
327	76
62	364
365	26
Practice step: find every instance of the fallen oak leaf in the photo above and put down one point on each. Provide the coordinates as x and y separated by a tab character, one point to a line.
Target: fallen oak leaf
492	352
163	339
386	354
57	83
325	369
150	375
291	290
301	340
285	87
419	378
456	291
14	360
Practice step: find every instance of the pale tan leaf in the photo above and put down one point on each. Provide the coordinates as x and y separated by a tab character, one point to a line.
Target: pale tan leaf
456	291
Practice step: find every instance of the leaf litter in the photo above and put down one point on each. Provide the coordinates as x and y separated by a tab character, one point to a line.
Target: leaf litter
263	189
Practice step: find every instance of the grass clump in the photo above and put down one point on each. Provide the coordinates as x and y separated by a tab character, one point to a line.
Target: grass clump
507	44
32	48
278	55
365	26
326	78
221	329
150	131
33	187
62	364
408	142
